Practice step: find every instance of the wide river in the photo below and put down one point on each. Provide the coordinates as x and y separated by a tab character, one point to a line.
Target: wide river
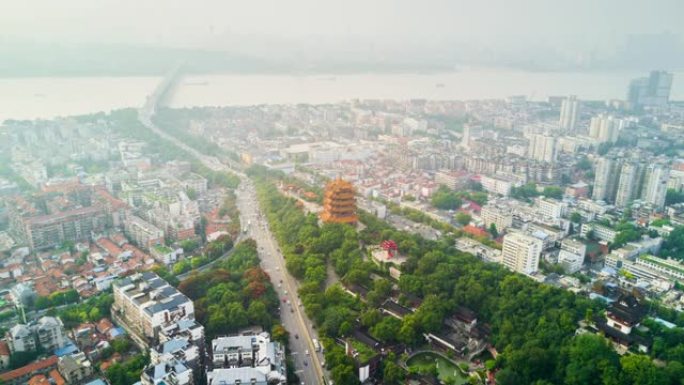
44	98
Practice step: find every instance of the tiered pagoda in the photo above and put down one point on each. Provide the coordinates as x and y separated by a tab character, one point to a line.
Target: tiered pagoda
339	203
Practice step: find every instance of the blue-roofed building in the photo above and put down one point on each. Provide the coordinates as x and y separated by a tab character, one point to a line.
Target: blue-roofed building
96	381
116	332
66	350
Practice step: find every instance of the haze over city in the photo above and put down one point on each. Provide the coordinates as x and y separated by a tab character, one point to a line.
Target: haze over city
341	192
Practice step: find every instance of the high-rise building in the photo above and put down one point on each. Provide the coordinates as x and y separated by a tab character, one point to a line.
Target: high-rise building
651	91
605	128
568	113
655	184
605	180
470	132
339	203
628	184
521	252
542	148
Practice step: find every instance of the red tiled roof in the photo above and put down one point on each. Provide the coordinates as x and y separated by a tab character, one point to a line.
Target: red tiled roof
104	325
59	380
109	246
475	231
32	367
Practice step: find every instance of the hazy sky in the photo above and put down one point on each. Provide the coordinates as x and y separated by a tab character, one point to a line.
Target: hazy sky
209	23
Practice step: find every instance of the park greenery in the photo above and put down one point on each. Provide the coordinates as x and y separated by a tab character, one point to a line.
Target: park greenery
528	191
128	371
211	251
674	244
673	197
91	310
235	294
532	325
58	298
446	199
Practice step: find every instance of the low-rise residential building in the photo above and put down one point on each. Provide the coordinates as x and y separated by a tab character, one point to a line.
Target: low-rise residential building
50	333
482	251
20	339
601	232
499	216
166	255
571	255
143	233
180	349
169	372
235	376
75	367
20	376
670	267
499	185
550	208
249	351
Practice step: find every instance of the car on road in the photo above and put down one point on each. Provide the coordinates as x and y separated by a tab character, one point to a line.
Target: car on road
306	352
296	336
284	300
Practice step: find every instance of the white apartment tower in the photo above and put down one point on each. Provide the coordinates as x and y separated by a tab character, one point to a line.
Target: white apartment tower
655	184
521	252
628	184
542	148
605	128
568	114
605	180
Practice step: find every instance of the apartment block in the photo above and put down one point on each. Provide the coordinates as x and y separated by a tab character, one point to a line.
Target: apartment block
571	255
20	339
521	252
247	357
500	216
146	303
549	207
170	372
46	231
50	333
143	233
75	368
499	185
601	232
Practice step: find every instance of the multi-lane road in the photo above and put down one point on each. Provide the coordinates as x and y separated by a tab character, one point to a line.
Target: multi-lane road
307	360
